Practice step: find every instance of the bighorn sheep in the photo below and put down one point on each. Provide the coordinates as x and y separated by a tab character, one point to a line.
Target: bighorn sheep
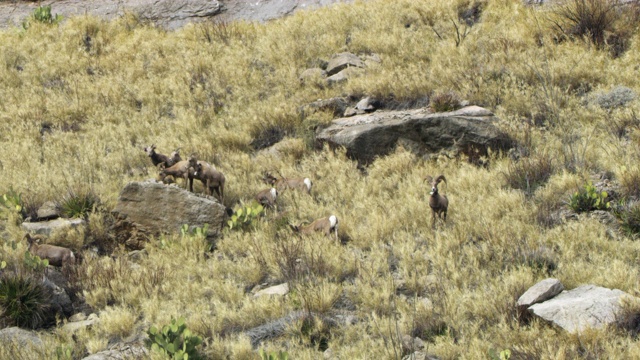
57	256
326	225
157	158
438	203
303	184
178	170
211	178
267	197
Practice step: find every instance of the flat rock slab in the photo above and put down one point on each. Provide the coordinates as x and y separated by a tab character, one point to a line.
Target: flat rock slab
159	208
342	61
367	136
543	290
281	290
584	307
48	227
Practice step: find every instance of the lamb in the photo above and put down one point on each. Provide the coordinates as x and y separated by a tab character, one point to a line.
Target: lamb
157	158
211	178
267	197
57	256
325	225
303	184
178	170
438	203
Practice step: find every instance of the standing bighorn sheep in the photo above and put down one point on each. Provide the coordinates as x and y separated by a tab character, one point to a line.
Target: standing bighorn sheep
303	184
438	203
267	197
57	256
178	170
157	158
211	178
326	225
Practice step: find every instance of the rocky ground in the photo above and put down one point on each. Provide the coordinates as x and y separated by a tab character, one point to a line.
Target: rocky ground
171	14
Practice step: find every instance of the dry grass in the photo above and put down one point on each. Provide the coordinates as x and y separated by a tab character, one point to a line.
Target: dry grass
75	116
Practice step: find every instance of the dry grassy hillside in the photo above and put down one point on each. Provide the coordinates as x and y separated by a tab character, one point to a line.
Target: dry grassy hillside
80	99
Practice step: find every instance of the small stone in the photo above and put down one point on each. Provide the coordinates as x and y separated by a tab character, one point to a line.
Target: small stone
281	290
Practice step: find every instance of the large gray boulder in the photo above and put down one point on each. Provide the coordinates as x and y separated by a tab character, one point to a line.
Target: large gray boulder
584	307
22	339
470	130
157	208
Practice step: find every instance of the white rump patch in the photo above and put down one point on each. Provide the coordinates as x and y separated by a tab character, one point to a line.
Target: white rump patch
333	220
274	193
308	183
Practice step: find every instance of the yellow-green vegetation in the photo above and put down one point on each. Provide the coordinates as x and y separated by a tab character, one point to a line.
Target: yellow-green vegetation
80	99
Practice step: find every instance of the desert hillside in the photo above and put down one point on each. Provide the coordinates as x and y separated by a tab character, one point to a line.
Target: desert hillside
530	112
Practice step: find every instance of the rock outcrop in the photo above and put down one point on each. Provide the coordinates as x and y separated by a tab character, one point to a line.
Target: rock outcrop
584	307
170	14
156	208
470	130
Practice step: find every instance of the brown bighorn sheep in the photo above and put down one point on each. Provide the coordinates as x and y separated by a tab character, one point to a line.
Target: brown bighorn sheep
57	256
438	203
267	197
157	158
211	178
303	184
178	170
326	225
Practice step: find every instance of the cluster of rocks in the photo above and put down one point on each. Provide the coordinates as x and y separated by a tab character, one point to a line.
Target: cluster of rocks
340	68
585	307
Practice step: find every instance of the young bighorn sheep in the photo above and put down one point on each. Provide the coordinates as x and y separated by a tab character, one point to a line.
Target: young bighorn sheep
157	158
438	203
303	184
211	178
178	170
57	255
326	225
267	197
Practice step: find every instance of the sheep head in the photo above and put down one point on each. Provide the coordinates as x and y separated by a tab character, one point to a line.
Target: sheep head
269	179
150	150
435	182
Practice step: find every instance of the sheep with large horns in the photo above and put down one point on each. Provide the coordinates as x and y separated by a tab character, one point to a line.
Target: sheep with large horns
438	203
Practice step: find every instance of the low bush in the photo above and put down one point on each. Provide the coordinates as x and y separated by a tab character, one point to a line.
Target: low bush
619	96
443	102
24	301
629	216
588	199
174	340
78	204
529	174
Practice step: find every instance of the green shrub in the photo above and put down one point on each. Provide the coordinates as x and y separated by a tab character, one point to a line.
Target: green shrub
43	15
174	340
243	217
280	355
588	199
34	262
11	202
23	300
78	204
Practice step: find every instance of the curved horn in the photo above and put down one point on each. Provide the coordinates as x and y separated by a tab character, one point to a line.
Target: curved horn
439	178
428	178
